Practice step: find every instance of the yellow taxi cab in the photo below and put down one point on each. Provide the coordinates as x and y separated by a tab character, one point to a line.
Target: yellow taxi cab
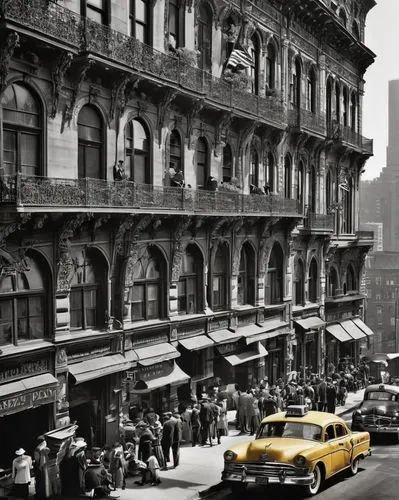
295	448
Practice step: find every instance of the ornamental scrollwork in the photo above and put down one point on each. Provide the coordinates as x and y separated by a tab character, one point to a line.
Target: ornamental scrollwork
163	107
7	48
178	248
192	115
61	66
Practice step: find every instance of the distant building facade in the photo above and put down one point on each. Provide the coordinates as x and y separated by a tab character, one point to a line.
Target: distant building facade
378	230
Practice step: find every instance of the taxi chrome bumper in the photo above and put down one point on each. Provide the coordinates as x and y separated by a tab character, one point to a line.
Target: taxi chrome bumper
264	474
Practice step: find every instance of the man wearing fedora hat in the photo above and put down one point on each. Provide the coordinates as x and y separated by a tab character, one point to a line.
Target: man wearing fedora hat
21	466
168	435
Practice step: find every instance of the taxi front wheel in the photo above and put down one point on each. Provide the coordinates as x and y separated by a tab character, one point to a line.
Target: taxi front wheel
313	488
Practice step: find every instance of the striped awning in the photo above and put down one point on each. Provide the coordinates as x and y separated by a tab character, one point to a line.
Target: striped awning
338	332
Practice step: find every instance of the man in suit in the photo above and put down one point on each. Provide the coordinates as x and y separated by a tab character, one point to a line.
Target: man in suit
177	439
206	418
322	396
195	425
168	436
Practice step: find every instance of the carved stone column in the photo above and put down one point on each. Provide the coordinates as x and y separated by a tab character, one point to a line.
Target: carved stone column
62	404
177	264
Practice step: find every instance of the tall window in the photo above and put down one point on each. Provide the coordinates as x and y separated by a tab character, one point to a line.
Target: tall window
332	282
23	304
269	172
329	102
271	66
342	17
202	162
337	103
175	153
91	143
219	278
345	111
351	284
287	176
88	299
275	274
254	168
299	283
312	190
190	282
246	277
313	281
227	163
22	131
148	291
354	112
311	91
205	37
139	17
97	10
299	184
347	203
255	55
355	30
296	84
137	152
330	198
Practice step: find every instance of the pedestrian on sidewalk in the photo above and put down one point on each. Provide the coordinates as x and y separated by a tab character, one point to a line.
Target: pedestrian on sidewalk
331	395
146	440
186	419
40	467
195	426
206	418
177	439
117	466
153	469
243	412
222	428
156	445
322	395
236	398
21	466
254	415
168	433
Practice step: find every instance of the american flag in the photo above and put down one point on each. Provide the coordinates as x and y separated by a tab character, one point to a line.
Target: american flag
239	58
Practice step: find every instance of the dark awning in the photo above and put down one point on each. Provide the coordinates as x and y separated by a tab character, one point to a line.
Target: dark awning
156	354
338	332
196	343
354	331
244	357
310	323
367	330
98	367
177	376
267	330
224	336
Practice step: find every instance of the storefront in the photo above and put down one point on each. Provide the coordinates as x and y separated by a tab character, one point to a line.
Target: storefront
94	397
197	355
158	382
27	405
308	345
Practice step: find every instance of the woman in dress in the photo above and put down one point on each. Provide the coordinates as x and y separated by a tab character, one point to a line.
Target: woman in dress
21	466
117	466
222	428
156	444
186	420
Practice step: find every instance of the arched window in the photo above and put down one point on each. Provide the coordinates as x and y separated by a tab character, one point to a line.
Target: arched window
342	17
313	281
311	91
287	176
140	20
246	276
205	37
227	163
148	291
254	168
355	30
274	292
175	159
176	24
337	103
345	111
296	84
330	198
255	55
22	131
190	282
271	66
312	190
24	302
138	152
269	173
202	156
332	282
351	283
91	143
329	102
354	112
299	184
299	283
88	299
347	204
219	279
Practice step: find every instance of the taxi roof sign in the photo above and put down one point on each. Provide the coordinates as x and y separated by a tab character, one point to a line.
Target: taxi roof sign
296	411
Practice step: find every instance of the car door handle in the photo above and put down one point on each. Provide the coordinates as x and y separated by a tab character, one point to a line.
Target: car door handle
341	444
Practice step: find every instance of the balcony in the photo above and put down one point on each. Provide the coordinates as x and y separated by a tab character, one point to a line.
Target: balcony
320	222
349	136
39	194
307	121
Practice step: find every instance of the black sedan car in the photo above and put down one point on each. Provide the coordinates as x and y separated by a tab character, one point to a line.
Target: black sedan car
378	413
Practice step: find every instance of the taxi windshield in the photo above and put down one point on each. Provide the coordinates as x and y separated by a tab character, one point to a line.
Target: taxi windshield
380	396
296	430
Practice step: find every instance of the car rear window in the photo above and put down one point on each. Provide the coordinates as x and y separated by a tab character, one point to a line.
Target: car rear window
380	396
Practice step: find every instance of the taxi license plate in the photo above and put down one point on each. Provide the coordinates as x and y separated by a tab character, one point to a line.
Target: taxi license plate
262	480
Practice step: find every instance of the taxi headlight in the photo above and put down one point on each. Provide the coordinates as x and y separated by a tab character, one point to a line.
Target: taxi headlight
300	461
229	456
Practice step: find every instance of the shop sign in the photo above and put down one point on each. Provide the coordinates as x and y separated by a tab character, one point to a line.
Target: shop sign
27	400
227	348
153	371
97	351
217	324
25	369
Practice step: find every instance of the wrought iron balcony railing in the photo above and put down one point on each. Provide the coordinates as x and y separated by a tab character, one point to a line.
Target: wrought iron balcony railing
348	135
32	193
308	121
320	222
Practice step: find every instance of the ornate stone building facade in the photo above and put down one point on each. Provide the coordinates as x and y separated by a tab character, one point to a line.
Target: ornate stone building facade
170	223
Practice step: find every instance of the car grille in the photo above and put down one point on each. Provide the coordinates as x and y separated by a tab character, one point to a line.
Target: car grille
266	469
378	420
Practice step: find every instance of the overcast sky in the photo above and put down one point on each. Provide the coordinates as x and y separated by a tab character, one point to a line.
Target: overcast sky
382	36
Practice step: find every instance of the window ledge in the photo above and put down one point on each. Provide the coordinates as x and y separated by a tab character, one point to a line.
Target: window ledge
245	307
308	305
30	345
129	325
80	334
